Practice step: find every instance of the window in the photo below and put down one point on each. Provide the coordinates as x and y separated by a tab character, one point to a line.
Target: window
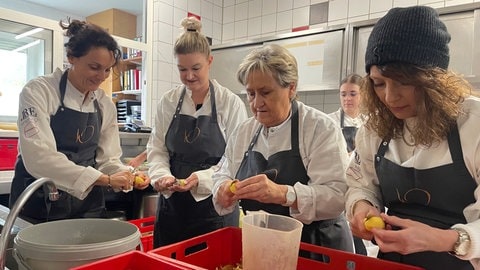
26	52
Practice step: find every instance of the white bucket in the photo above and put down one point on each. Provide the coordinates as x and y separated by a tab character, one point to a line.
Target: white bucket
270	242
60	245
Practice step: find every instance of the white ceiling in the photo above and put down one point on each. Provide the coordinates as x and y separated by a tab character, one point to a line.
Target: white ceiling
88	7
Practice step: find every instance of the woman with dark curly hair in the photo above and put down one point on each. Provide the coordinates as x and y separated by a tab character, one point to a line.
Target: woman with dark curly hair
417	157
68	132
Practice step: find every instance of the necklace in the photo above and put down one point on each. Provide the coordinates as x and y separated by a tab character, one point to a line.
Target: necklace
412	139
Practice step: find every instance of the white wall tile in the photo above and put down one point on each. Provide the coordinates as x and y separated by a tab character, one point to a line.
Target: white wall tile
218	3
240	29
283	5
168	2
194	7
337	22
269	23
254	27
165	13
228	31
404	3
255	8
449	3
301	16
358	8
380	5
181	4
377	15
217	14
207	27
269	7
284	20
241	11
357	19
319	26
164	71
178	16
165	32
301	3
217	31
227	3
435	5
206	10
228	14
337	9
162	86
426	2
313	2
164	52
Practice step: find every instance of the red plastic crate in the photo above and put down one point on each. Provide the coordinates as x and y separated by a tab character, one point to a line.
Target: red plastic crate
224	246
145	225
8	153
136	260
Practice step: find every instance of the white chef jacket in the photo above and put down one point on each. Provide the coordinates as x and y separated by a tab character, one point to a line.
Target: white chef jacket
347	120
231	112
364	185
39	100
323	151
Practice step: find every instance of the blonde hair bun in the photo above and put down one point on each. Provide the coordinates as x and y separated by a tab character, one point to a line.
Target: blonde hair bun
192	24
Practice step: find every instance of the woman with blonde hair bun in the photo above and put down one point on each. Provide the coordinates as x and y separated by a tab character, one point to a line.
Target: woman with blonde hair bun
192	125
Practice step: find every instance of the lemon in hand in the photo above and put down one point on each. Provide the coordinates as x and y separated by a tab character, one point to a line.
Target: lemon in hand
233	186
181	182
138	180
374	222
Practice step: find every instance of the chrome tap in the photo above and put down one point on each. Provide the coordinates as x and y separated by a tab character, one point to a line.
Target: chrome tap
12	215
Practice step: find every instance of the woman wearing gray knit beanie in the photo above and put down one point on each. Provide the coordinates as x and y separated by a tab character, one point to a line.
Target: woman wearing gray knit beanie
417	159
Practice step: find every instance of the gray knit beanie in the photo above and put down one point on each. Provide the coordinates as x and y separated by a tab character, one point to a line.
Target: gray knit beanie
413	35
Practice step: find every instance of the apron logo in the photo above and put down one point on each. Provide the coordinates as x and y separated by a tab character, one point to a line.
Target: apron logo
191	136
417	195
85	135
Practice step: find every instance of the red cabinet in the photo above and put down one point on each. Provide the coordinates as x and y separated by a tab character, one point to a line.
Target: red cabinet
8	153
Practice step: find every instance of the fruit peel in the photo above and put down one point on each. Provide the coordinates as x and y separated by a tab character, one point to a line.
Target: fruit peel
373	222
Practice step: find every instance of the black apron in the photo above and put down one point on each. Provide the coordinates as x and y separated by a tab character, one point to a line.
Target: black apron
193	144
76	135
435	196
289	169
348	132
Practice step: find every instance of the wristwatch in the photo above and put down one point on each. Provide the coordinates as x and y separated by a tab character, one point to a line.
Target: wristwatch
462	245
291	196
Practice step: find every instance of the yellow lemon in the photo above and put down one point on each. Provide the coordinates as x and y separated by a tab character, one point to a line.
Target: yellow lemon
233	187
138	180
181	182
373	222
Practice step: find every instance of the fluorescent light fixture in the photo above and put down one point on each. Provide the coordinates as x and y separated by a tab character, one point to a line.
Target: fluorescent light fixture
28	33
26	46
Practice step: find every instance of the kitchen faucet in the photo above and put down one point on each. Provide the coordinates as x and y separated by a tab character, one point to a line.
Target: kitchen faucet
12	215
